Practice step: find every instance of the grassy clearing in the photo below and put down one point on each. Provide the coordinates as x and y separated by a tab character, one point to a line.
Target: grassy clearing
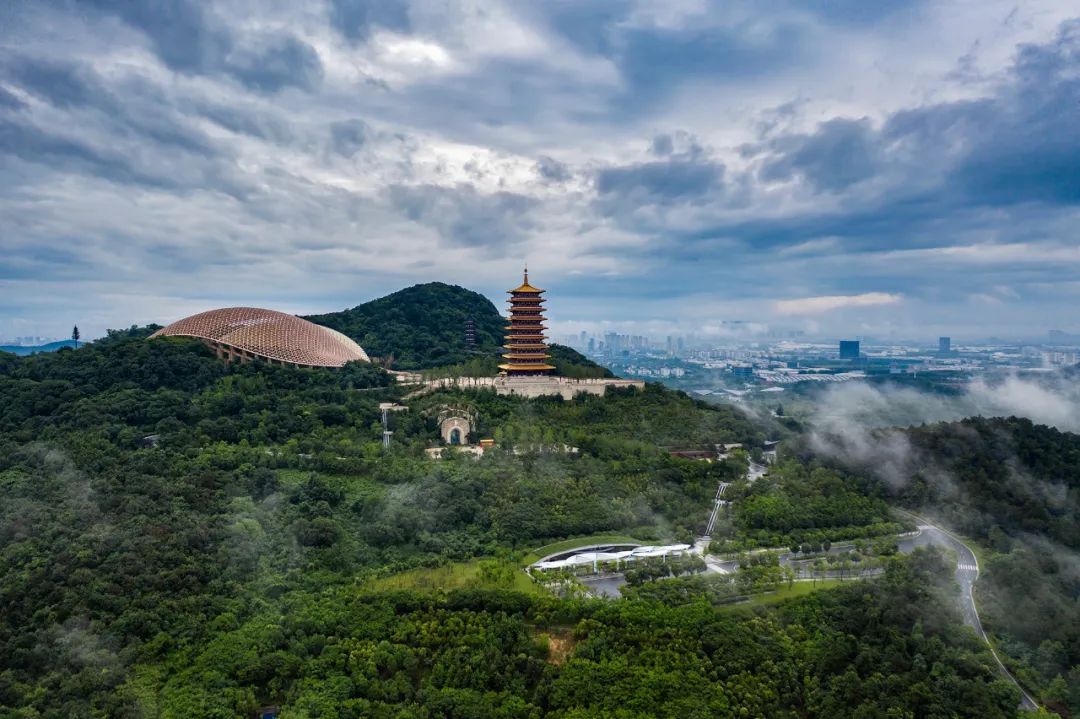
456	575
353	487
568	544
797	589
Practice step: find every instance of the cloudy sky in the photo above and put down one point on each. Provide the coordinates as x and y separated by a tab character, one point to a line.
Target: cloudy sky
891	168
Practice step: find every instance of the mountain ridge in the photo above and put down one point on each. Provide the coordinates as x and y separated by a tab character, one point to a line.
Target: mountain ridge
423	327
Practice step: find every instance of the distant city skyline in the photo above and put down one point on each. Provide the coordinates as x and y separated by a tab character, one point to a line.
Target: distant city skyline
840	169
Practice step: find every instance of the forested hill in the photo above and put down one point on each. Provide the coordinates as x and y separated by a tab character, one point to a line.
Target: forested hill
983	475
421	326
1014	487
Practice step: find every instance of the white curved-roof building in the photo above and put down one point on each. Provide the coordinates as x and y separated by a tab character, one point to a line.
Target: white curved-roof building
248	333
622	555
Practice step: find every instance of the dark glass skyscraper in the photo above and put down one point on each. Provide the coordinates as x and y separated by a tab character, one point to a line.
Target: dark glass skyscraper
849	349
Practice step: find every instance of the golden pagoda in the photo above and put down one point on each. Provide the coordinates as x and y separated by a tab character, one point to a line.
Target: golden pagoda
526	351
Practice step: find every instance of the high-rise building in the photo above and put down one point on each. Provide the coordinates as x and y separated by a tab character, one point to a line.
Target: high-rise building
526	350
944	345
849	349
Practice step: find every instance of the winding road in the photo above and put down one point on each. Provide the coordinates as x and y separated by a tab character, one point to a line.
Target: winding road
967	572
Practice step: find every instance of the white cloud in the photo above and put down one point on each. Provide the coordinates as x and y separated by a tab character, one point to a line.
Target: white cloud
828	303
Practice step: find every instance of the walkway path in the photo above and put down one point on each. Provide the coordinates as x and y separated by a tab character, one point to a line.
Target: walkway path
754	471
718	502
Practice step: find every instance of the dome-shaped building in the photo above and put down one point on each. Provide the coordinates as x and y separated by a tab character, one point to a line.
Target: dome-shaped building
248	333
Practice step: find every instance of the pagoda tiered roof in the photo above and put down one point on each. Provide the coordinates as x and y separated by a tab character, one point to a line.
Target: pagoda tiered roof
526	350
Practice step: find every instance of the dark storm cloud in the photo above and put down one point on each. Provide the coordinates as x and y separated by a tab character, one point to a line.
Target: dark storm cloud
63	84
466	217
661	182
9	101
356	19
130	108
841	153
182	32
187	38
243	120
940	167
33	145
642	196
662	145
552	170
1030	148
348	136
274	62
655	60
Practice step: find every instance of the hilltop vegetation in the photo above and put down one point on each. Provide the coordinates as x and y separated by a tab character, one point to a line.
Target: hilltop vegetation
422	326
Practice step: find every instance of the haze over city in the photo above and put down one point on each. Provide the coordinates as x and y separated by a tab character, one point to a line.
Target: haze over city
844	169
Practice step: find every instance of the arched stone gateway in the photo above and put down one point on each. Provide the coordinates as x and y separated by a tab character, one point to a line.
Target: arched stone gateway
455	430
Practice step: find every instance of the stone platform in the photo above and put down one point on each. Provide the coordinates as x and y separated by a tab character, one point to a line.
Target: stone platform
537	386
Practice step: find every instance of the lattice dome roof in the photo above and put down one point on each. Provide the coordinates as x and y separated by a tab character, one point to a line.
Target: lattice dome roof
269	334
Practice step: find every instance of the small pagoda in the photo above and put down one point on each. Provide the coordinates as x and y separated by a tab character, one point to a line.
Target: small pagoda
526	351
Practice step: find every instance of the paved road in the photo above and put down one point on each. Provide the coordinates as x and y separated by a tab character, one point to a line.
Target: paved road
967	573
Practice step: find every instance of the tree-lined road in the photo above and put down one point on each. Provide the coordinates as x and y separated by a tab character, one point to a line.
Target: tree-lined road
967	573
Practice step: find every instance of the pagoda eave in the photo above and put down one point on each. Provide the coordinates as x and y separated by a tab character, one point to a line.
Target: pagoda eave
537	368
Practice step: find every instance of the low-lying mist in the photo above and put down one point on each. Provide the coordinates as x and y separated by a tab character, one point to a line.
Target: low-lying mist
1053	401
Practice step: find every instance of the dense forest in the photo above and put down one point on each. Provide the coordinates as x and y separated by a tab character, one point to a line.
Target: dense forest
183	538
796	505
147	487
422	326
892	648
1013	487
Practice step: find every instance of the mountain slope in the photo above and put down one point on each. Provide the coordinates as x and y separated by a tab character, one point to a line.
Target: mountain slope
421	326
1013	486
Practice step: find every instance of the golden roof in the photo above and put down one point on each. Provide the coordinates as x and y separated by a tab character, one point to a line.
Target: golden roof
269	334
